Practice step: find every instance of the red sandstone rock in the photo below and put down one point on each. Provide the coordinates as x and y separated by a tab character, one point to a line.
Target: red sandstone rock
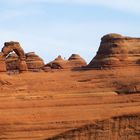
12	62
75	61
2	63
58	63
116	51
15	47
34	62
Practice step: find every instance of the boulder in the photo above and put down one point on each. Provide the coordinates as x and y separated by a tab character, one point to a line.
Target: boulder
116	51
34	62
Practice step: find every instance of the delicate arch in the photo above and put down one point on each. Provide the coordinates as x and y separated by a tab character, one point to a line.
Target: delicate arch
15	46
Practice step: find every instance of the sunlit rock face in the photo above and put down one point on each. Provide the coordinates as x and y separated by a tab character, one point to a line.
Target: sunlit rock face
10	47
76	61
34	62
117	51
57	63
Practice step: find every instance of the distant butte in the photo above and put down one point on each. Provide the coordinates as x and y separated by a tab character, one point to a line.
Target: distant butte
117	51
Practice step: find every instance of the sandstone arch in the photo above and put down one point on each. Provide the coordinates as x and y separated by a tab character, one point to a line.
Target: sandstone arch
15	47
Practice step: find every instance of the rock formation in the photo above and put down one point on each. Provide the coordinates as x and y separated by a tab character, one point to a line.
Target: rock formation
15	47
12	62
75	61
34	62
2	63
116	51
58	63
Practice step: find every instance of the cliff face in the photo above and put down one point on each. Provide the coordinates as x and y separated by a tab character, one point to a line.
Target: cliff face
118	128
116	50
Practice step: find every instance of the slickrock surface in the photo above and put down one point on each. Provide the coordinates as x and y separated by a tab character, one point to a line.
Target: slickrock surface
117	51
39	106
124	127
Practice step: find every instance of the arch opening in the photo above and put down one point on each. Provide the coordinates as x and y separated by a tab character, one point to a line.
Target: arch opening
14	57
12	63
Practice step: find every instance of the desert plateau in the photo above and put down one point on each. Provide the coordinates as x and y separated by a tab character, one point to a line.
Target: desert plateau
70	99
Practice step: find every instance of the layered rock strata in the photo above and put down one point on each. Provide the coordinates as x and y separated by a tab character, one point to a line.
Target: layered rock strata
117	51
34	62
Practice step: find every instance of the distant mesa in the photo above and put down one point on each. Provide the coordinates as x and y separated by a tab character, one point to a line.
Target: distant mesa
75	61
116	51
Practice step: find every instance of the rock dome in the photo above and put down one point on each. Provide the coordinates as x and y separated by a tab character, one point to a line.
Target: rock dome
116	51
34	62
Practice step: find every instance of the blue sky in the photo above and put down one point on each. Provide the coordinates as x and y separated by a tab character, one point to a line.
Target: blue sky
62	27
